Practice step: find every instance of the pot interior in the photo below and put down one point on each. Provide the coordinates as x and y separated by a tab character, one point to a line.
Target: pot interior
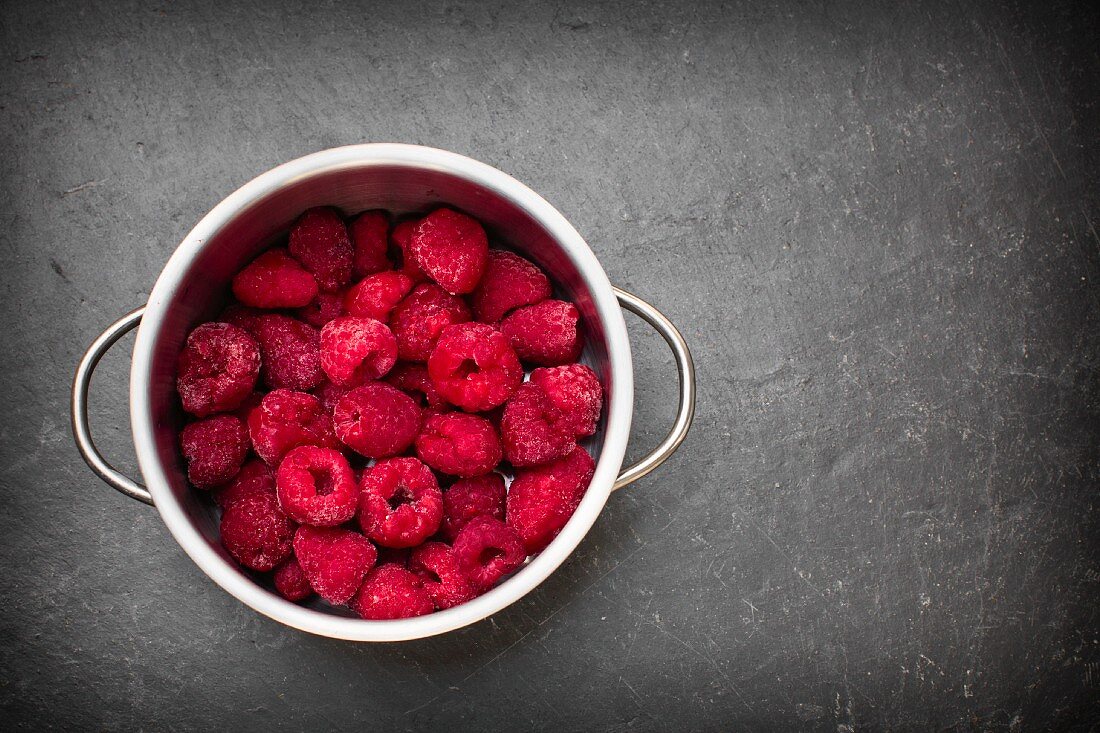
403	189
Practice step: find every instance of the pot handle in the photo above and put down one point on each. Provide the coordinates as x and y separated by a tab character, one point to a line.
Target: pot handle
81	430
686	369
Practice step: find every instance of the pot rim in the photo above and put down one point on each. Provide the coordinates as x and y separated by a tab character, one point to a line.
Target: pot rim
608	462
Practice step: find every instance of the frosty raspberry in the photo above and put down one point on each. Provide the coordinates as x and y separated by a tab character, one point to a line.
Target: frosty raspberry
255	477
274	280
509	282
286	419
354	350
256	532
291	581
319	240
217	369
469	498
317	486
459	444
436	566
214	448
547	333
391	592
486	550
370	241
291	352
376	295
376	420
400	502
533	430
575	390
335	560
418	320
451	248
473	367
401	236
542	499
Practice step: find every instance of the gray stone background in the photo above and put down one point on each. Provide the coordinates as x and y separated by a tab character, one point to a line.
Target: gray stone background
876	224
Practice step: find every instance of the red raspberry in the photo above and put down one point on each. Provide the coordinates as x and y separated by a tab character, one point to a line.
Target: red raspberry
459	444
532	430
214	448
334	560
291	580
435	564
319	240
274	280
486	550
401	236
322	309
254	478
547	333
391	592
451	248
217	369
354	350
418	320
473	367
413	380
291	352
376	420
287	419
317	486
375	295
472	497
369	236
575	390
542	499
400	502
509	282
256	532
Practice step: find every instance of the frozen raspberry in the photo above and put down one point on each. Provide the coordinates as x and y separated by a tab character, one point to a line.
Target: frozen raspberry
322	309
319	240
400	502
437	568
370	239
509	282
542	499
547	333
418	320
335	560
291	580
469	498
317	486
451	248
401	235
274	280
473	367
376	420
413	379
254	478
256	532
214	448
287	419
391	592
532	430
575	390
291	352
459	444
375	295
354	350
486	550
217	369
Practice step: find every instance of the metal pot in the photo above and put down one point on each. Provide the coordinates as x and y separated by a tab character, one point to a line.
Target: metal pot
400	178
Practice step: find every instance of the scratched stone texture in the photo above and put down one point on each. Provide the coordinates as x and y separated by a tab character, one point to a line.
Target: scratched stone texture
876	224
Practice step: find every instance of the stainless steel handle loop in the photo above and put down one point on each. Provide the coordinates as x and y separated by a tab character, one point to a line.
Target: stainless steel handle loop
81	431
686	369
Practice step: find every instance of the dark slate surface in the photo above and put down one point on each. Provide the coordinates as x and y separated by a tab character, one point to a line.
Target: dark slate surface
877	227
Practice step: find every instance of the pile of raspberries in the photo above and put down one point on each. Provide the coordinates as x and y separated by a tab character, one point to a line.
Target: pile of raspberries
356	418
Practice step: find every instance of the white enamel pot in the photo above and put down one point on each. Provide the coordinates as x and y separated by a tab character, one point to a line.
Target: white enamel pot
400	178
